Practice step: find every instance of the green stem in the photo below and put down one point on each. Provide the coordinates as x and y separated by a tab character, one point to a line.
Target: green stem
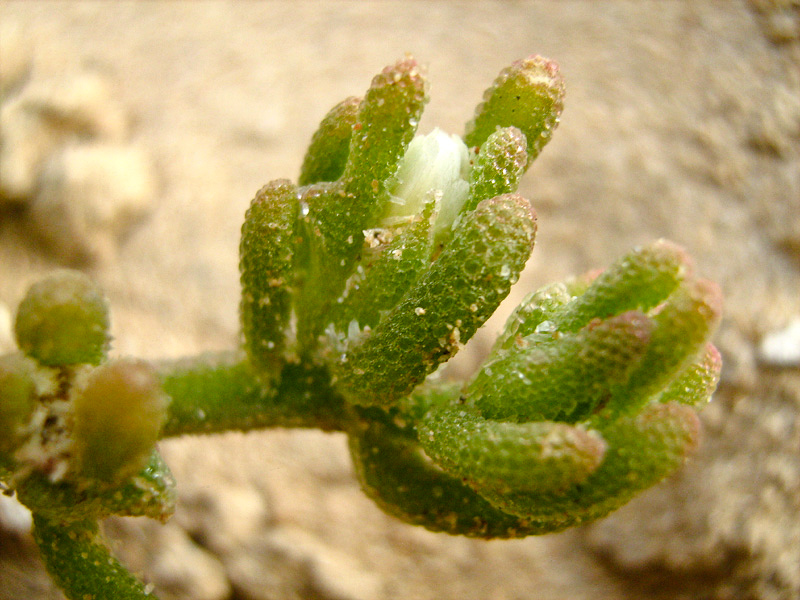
151	493
82	565
215	393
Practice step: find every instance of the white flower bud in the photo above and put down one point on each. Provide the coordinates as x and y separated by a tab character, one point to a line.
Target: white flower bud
434	166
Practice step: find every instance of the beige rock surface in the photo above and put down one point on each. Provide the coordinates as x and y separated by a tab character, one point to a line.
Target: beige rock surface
682	121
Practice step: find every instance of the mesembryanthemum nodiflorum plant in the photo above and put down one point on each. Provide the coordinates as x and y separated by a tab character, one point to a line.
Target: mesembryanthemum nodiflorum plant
394	250
358	282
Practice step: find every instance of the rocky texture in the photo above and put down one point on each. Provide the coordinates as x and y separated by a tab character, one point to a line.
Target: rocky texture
67	160
289	563
781	348
6	334
89	198
16	53
169	560
47	114
682	121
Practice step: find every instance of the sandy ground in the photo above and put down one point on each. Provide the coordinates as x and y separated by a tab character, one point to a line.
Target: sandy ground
682	121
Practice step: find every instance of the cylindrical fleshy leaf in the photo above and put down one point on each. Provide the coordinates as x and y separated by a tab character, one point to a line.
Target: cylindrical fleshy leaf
117	413
531	457
387	121
378	285
641	451
498	167
18	397
562	378
265	264
394	472
63	320
459	292
82	565
326	156
639	280
528	95
683	326
697	382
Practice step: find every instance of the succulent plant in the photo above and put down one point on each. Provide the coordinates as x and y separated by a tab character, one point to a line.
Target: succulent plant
358	282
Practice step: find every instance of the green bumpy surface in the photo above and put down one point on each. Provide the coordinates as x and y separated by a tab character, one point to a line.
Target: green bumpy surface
149	493
440	312
498	167
528	95
378	285
355	289
327	153
81	564
266	251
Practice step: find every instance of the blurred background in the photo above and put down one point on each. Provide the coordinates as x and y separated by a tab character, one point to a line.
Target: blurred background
133	136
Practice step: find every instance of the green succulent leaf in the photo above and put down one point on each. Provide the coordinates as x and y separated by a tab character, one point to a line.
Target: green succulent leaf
445	307
499	166
561	377
267	276
386	123
641	451
683	325
541	457
397	475
640	280
327	153
378	284
695	384
528	95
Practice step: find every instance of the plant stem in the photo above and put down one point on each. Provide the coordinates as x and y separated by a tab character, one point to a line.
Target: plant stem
214	393
81	564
